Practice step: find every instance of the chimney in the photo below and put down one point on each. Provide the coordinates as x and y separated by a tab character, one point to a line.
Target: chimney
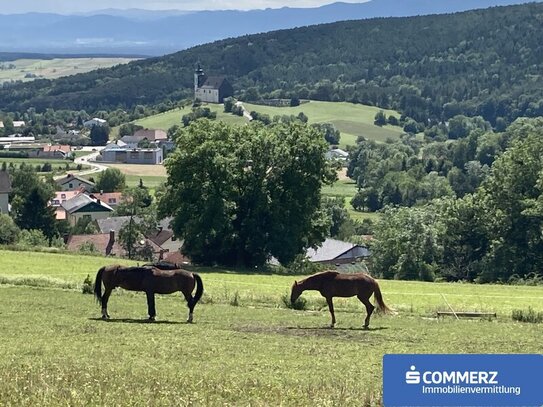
109	247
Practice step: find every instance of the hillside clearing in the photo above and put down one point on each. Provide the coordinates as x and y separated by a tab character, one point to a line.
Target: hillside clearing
353	120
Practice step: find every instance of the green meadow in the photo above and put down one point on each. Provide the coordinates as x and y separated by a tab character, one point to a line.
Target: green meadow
245	348
352	120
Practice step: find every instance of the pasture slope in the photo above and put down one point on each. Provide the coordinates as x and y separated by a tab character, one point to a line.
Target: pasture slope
245	347
352	120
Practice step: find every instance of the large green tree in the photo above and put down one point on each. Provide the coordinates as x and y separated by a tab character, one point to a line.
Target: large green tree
30	201
240	195
511	198
111	180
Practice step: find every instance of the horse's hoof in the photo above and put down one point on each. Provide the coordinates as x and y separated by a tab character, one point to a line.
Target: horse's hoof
105	317
151	319
332	326
366	327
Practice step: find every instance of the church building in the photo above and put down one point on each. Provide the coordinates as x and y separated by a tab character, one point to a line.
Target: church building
211	89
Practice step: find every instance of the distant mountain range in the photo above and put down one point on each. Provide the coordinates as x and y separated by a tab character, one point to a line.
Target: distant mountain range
147	32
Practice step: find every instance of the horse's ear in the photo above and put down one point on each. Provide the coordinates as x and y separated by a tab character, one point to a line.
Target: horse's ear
295	282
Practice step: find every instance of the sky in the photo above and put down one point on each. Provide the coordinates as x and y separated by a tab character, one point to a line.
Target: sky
77	6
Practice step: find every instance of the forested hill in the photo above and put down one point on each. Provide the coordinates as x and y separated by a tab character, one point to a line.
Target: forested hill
483	62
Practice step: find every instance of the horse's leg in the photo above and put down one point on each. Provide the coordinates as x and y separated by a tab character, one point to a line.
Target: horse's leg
369	309
189	298
105	299
151	305
331	308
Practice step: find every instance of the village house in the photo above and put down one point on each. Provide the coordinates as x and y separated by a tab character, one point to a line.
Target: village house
162	238
107	245
89	124
55	151
114	153
5	190
212	89
333	251
73	183
83	206
16	139
150	134
103	243
337	154
127	141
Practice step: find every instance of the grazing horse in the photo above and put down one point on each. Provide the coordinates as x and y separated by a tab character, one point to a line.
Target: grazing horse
150	280
333	284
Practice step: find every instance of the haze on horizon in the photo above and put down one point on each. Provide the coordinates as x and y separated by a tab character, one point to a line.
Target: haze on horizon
83	6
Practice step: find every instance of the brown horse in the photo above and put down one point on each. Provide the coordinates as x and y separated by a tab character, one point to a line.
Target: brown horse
150	280
333	284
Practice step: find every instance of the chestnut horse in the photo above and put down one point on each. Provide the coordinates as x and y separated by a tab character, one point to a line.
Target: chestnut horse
151	280
333	284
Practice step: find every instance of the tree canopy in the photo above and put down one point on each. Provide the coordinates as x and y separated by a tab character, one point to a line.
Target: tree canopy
240	195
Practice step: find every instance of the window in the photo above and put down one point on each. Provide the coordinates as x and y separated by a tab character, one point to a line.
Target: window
112	200
70	185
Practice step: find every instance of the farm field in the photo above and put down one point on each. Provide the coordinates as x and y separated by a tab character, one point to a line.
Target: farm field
245	347
151	175
58	166
352	120
29	69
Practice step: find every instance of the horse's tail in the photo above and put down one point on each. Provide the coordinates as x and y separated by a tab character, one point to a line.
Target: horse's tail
379	299
98	284
199	289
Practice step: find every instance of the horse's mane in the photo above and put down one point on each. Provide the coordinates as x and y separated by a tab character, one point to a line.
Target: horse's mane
321	275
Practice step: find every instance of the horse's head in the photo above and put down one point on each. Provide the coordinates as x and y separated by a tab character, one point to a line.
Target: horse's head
295	292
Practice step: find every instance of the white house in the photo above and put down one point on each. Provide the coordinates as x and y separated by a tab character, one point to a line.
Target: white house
94	122
337	252
337	154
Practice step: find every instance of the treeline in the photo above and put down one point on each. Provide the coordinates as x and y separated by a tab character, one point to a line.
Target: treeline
430	68
492	234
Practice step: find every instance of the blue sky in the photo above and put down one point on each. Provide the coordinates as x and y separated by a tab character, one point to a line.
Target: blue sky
75	6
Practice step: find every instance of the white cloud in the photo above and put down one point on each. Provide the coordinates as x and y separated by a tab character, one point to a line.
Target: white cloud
74	6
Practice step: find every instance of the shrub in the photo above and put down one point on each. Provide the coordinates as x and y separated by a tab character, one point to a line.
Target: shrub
234	302
300	304
87	287
32	238
528	315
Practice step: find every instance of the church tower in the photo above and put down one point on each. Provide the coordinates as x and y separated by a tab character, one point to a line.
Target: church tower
199	78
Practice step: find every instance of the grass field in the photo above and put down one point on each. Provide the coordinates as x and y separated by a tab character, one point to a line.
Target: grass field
172	117
352	120
34	161
29	69
245	347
